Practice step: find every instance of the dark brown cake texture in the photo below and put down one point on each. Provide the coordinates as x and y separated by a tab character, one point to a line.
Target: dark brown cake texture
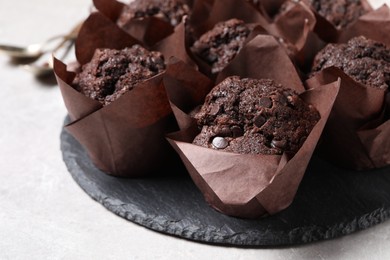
340	13
171	11
364	60
254	116
220	45
111	73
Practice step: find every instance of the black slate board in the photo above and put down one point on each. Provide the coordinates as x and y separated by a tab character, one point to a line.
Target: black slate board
330	202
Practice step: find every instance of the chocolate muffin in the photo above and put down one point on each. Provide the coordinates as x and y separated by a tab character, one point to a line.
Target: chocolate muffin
111	73
340	13
364	60
220	45
171	11
251	116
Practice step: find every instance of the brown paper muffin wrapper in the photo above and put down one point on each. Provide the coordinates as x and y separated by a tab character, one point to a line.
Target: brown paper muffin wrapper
148	30
318	32
374	25
250	186
177	44
264	57
99	32
295	24
127	137
223	10
326	30
245	185
356	135
293	28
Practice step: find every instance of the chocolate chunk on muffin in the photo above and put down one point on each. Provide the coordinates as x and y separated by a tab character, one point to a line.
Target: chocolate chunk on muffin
254	116
340	13
365	60
221	44
171	11
111	73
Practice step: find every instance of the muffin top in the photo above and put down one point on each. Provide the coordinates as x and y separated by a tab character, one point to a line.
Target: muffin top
111	73
220	45
254	116
171	11
364	60
340	13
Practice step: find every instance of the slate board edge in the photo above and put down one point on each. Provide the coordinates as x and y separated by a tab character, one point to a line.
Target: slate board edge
250	239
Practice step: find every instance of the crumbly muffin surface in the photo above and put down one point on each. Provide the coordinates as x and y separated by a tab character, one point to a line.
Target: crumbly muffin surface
171	11
340	13
251	116
220	45
364	60
111	73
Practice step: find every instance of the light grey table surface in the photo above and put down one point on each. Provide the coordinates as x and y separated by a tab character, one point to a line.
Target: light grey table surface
45	215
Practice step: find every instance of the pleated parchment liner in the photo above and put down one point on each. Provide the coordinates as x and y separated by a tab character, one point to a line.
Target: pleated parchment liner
148	30
289	25
245	185
292	28
360	141
127	137
375	25
301	27
318	31
358	130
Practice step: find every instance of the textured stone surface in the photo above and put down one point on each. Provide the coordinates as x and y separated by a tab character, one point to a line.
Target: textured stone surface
330	203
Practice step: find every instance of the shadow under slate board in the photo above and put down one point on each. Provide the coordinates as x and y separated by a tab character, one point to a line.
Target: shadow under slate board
330	202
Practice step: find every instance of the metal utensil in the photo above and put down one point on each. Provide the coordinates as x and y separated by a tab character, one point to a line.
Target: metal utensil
44	67
34	51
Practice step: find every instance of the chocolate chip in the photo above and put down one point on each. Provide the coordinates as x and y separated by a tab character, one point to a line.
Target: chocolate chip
214	110
301	131
212	57
220	142
224	131
237	131
259	121
281	144
283	100
265	102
